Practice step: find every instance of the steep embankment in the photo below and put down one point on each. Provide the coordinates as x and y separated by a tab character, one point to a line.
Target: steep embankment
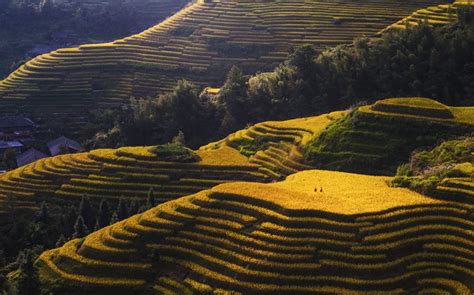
199	44
131	172
375	139
357	236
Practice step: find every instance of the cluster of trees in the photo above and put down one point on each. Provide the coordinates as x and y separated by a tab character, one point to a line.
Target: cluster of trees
23	237
419	61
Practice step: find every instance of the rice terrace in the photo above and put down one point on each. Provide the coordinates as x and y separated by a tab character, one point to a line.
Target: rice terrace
237	147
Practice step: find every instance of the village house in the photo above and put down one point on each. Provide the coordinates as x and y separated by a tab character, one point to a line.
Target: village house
16	128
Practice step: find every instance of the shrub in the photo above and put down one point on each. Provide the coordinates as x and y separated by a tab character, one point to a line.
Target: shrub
175	153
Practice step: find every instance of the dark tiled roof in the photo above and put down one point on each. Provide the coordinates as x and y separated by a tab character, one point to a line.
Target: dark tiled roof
54	146
29	156
15	121
10	144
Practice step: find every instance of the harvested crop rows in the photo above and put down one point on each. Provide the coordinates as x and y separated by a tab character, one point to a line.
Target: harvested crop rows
242	240
192	44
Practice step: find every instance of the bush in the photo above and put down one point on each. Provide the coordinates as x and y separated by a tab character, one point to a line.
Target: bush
175	153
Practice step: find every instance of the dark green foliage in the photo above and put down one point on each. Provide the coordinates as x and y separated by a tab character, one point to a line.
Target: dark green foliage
114	218
80	228
229	49
25	280
60	241
372	144
175	153
104	213
122	210
158	120
427	168
86	212
150	200
182	31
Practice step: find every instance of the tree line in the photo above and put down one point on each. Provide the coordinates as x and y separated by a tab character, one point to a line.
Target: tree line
419	61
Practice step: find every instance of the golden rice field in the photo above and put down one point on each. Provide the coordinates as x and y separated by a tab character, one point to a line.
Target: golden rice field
193	44
131	171
277	146
433	15
257	238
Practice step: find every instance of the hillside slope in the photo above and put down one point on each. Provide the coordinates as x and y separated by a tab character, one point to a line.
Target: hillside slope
433	15
357	236
131	171
199	44
375	139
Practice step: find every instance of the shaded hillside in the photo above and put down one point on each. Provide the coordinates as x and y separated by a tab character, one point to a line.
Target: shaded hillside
199	44
29	28
375	139
357	236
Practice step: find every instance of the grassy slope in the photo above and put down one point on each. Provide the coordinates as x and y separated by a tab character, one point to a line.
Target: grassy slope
198	44
445	172
265	237
376	140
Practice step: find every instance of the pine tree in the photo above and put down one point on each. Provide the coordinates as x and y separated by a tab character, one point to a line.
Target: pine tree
85	210
104	213
80	228
122	210
97	225
114	218
133	207
60	241
150	200
44	213
71	218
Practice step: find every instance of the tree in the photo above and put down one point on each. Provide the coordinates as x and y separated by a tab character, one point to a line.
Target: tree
150	200
80	228
233	96
86	212
104	214
61	241
122	210
114	218
179	139
27	283
44	215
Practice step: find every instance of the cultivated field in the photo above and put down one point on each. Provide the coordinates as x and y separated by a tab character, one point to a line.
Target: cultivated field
131	171
357	236
433	15
199	44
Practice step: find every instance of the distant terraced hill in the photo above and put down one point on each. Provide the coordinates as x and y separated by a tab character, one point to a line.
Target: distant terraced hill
198	44
131	171
358	236
375	139
433	15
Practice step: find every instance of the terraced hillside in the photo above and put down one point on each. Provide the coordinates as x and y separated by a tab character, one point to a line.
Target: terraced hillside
357	236
433	15
130	172
375	139
277	146
199	43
